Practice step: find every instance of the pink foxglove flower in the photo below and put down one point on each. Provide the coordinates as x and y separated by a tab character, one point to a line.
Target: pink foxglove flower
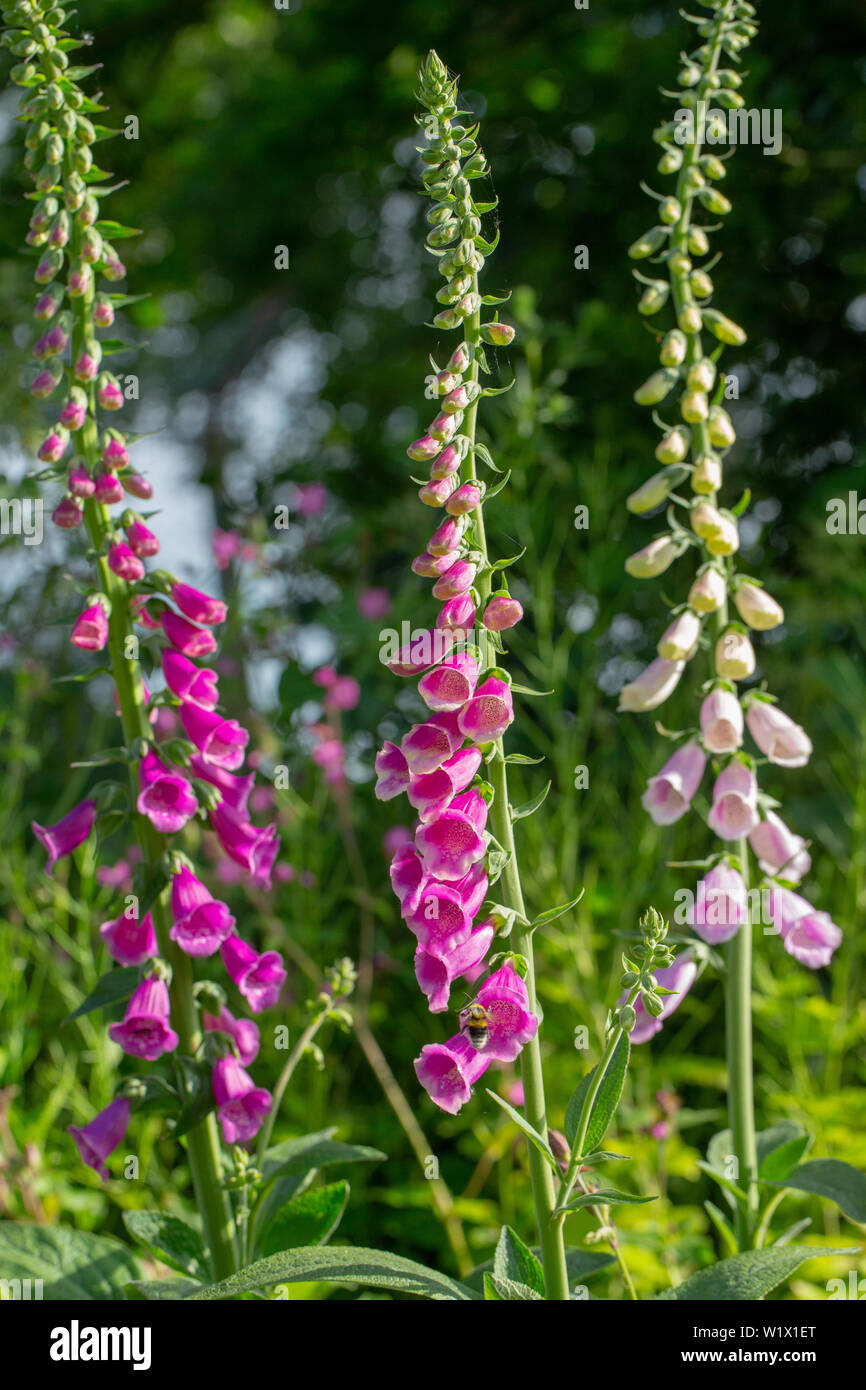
102	1135
165	797
448	1071
450	845
510	1021
450	684
183	635
90	629
777	736
653	686
70	832
669	794
234	790
488	714
201	923
779	850
194	684
130	941
198	607
721	905
734	812
221	741
258	977
122	561
502	612
809	936
436	974
145	1031
721	722
678	978
392	772
432	792
255	848
241	1105
243	1032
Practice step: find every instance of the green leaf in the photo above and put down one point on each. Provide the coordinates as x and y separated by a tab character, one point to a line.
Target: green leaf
528	808
115	986
499	1290
727	1183
580	1265
508	561
115	231
496	298
746	1277
532	1135
603	1156
527	690
723	1227
768	1140
197	1093
521	760
172	1239
514	1262
837	1181
314	1151
156	1290
309	1219
73	1265
606	1197
553	912
377	1269
780	1161
606	1102
110	346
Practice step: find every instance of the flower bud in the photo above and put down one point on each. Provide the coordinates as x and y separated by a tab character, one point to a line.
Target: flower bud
649	243
654	297
47	381
108	391
108	489
707	474
423	449
103	311
54	445
698	242
689	318
656	489
734	656
114	451
701	376
670	210
112	266
48	303
720	429
124	564
713	166
502	612
437	492
49	266
67	514
464	500
652	559
74	412
444	426
673	446
694	407
87	363
708	591
670	161
459	359
656	387
680	639
137	486
497	334
673	349
724	328
714	201
80	482
757	608
700	284
447	537
652	687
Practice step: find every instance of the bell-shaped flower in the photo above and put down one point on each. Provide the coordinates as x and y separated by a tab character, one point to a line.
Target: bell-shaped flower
488	714
449	846
165	797
734	812
721	905
255	848
185	636
669	794
258	977
195	684
201	923
721	722
440	921
145	1030
241	1104
809	936
653	686
450	684
102	1135
392	772
432	793
90	629
510	1021
222	741
435	974
234	791
678	978
243	1032
448	1071
67	834
779	850
198	607
130	941
777	736
427	746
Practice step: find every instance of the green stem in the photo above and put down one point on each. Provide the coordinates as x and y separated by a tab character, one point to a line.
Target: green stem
741	1102
550	1233
202	1142
286	1074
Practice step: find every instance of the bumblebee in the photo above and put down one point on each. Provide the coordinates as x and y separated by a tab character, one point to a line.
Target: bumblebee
475	1026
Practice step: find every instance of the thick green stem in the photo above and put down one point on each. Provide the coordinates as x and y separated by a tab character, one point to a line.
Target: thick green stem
741	1103
550	1233
203	1141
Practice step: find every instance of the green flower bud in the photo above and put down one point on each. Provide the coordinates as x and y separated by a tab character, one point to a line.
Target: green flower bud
497	334
670	161
648	244
701	375
689	318
627	1018
693	180
670	210
694	407
713	166
706	475
698	241
689	75
673	446
673	349
701	285
656	489
656	387
714	201
654	297
728	100
724	328
720	429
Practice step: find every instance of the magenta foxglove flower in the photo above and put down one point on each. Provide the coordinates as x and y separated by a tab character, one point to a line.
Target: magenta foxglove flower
721	722
258	977
669	794
137	486
80	483
142	542
195	685
108	392
721	905
67	514
234	791
510	1022
392	772
115	454
432	792
165	797
122	561
779	850
407	877
108	489
488	714
185	637
90	629
450	684
198	607
254	848
449	845
222	741
243	1032
67	834
502	612
448	1071
427	746
441	921
435	974
130	941
457	579
74	412
809	936
145	1030
734	812
653	686
201	923
457	615
241	1104
679	978
426	648
102	1135
777	736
